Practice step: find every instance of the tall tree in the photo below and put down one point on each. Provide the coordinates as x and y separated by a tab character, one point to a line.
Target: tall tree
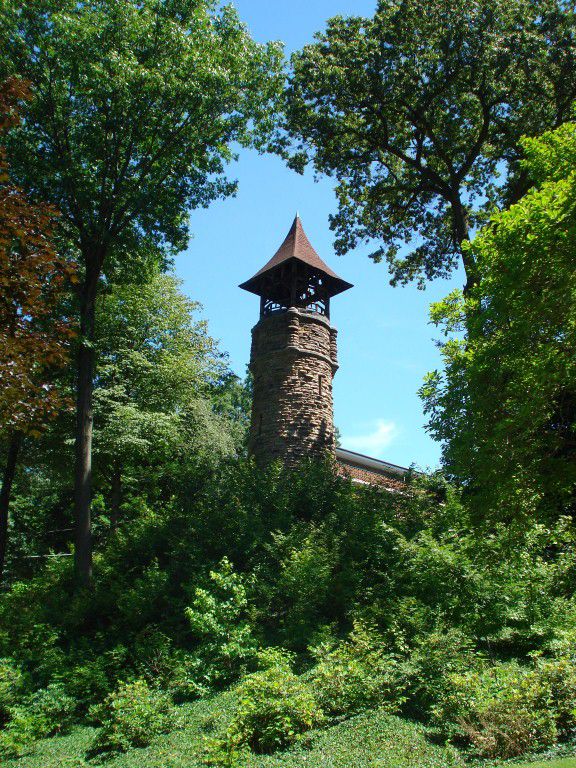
136	104
505	405
34	335
157	398
417	113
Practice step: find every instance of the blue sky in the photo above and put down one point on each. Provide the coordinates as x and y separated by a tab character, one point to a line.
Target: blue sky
385	342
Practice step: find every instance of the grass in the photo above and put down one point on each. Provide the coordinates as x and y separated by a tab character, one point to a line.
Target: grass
371	740
563	762
180	749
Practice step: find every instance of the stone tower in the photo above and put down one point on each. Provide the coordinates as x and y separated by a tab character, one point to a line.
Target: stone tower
293	356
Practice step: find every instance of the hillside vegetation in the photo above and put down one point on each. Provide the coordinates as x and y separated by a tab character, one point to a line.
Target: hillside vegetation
326	610
373	740
365	601
165	602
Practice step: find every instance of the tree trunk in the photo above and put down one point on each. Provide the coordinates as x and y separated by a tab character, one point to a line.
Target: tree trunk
462	234
84	422
15	441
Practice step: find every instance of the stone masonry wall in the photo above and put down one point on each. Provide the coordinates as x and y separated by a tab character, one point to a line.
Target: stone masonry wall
293	360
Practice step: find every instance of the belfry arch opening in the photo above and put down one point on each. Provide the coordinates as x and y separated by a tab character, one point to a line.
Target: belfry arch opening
295	277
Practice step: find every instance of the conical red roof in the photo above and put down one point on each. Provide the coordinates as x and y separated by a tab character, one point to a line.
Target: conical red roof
297	246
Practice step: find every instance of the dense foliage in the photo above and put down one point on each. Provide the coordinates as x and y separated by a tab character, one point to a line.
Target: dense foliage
505	405
34	330
164	401
371	740
273	708
133	113
259	616
34	335
132	716
158	399
398	603
417	113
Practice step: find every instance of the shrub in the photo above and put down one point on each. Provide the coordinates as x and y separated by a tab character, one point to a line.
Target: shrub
273	707
303	579
219	620
436	656
132	716
358	674
171	669
52	708
501	711
38	650
559	677
11	684
47	712
93	678
142	598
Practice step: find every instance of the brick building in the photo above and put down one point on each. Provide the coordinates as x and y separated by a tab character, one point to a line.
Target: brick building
293	361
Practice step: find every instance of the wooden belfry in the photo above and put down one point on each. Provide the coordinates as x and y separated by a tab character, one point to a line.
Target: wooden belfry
295	277
293	357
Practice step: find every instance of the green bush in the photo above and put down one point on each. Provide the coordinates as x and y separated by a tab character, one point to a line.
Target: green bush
52	708
558	676
504	710
38	651
132	716
47	712
11	685
358	674
302	580
219	619
171	669
314	553
92	678
143	597
374	739
273	706
436	656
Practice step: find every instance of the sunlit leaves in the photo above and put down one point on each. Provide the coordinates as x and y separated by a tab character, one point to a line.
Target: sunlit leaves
505	408
417	113
134	110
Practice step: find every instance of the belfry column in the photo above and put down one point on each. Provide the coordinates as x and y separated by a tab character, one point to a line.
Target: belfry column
294	354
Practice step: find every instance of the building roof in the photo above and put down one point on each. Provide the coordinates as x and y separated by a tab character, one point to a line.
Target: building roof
366	470
377	465
296	246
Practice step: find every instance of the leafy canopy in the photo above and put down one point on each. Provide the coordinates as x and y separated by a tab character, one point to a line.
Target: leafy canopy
136	106
134	110
417	113
34	333
159	372
505	407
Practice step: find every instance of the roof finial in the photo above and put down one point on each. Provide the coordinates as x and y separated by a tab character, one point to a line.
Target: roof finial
297	215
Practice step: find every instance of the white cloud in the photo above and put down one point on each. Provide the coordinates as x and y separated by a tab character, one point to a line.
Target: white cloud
375	441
